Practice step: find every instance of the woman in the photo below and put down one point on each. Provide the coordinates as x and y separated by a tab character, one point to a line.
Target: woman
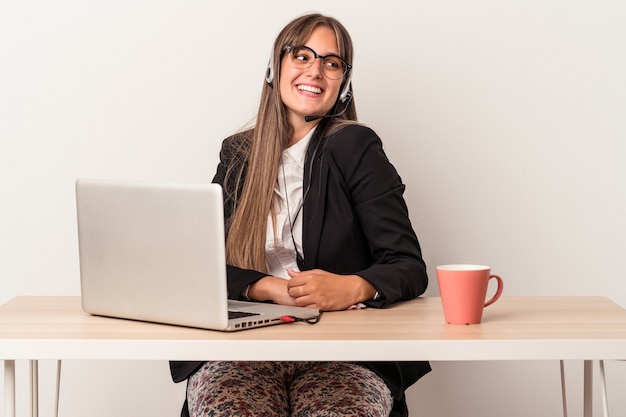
315	217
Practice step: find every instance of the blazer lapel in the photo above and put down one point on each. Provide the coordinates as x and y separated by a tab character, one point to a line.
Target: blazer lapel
316	179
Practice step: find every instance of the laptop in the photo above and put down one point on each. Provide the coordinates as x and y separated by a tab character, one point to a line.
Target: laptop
156	252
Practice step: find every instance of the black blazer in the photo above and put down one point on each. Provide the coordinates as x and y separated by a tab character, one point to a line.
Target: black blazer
355	221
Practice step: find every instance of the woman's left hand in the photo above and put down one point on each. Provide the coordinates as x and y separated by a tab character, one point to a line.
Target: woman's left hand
327	291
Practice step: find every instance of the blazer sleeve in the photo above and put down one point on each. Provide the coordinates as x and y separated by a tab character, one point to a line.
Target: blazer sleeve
230	162
397	269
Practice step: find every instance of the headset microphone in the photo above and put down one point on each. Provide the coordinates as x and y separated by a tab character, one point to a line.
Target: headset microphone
328	116
344	97
312	118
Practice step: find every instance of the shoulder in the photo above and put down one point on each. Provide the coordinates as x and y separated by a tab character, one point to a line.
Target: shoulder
237	140
352	134
355	151
236	146
352	139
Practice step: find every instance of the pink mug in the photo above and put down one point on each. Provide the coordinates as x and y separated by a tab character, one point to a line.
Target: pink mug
463	290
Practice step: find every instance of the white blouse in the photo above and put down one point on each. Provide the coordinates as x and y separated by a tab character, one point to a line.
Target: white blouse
288	194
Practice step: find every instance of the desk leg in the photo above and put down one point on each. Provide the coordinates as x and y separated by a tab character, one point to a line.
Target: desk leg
9	388
588	389
58	389
563	389
34	388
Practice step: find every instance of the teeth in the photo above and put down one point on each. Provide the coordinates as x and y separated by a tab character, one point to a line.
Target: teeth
310	89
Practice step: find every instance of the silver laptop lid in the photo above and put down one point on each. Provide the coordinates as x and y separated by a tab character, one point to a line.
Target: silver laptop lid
144	245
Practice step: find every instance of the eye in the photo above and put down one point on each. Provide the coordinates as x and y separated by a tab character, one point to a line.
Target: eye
302	55
333	63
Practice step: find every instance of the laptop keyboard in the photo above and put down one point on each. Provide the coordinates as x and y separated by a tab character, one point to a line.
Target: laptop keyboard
239	314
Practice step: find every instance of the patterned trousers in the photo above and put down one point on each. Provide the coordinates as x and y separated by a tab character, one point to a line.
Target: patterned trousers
298	389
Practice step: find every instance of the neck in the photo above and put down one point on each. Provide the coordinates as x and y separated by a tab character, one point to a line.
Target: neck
300	130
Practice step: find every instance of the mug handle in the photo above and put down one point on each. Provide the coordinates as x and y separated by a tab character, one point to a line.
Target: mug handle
498	291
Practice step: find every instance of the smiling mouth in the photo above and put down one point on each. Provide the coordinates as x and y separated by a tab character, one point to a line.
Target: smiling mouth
309	89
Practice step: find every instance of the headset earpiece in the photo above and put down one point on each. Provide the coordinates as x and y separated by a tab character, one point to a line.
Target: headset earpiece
269	74
346	93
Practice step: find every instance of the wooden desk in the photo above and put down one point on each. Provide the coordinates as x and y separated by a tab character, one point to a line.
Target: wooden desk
514	328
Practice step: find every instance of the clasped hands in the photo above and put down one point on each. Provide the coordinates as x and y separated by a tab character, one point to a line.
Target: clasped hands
315	288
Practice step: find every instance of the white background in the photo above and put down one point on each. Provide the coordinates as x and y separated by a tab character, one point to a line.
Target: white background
505	119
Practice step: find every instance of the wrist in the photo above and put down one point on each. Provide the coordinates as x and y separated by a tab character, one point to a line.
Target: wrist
368	291
266	288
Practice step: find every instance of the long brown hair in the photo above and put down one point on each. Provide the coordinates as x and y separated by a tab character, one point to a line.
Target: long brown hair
262	149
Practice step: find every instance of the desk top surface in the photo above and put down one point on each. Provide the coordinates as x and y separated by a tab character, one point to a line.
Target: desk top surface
52	327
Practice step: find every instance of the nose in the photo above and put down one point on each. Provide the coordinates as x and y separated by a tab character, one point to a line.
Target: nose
316	69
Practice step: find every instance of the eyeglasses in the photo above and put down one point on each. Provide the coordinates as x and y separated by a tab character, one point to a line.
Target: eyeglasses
302	57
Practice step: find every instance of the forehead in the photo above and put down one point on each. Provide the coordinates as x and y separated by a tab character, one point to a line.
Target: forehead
323	40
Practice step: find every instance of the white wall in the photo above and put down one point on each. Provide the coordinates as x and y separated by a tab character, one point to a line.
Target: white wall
506	120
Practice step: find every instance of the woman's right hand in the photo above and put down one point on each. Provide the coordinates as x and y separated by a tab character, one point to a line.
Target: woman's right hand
271	288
